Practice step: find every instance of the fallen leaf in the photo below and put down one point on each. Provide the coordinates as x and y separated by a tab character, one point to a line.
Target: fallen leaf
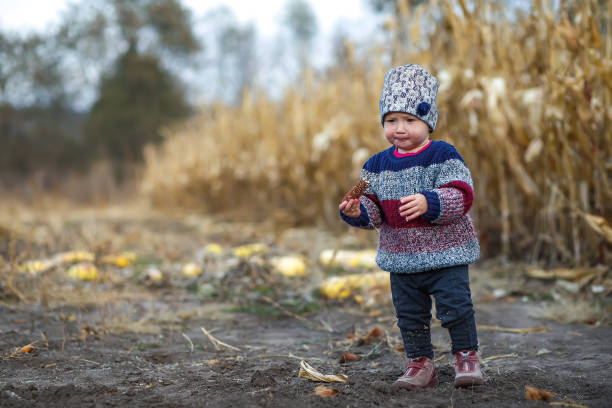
375	333
537	394
350	336
26	349
325	392
399	348
346	357
487	298
306	371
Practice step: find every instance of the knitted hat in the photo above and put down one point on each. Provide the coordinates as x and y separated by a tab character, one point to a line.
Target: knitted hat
410	89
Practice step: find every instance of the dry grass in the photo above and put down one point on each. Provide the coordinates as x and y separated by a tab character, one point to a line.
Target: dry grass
295	157
526	103
570	311
109	302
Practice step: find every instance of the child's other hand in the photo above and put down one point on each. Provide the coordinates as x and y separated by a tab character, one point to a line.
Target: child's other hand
413	206
351	208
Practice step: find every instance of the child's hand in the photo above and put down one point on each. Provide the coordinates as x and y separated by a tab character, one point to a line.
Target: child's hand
351	208
413	206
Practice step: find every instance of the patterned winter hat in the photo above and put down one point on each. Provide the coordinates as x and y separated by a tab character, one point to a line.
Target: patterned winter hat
410	89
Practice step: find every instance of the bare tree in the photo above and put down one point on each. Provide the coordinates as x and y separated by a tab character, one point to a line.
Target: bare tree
302	23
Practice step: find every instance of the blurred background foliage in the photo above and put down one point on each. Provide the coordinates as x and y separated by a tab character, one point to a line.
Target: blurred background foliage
96	88
106	101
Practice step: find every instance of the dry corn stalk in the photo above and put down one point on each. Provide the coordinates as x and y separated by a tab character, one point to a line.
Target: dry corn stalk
563	273
525	99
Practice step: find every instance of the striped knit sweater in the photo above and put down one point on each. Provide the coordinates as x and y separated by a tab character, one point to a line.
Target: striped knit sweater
443	236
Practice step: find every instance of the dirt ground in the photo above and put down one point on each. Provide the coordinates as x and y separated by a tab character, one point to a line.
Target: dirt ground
122	342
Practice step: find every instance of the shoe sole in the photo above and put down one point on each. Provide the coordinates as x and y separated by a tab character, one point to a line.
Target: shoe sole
406	385
468	381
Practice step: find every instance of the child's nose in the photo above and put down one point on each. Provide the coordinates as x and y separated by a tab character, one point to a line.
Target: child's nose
402	126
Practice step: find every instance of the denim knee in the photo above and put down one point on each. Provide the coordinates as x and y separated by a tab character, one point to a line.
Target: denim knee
453	296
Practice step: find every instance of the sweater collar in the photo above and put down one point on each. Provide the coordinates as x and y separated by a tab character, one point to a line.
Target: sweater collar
400	155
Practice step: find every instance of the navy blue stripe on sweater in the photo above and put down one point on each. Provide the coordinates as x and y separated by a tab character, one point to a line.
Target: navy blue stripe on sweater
437	153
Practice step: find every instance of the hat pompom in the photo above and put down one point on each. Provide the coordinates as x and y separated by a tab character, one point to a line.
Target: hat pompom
423	108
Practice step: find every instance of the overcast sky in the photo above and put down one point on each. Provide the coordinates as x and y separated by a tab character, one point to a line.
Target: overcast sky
353	17
23	15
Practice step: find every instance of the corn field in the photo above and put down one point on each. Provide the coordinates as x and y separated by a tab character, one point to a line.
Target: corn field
524	98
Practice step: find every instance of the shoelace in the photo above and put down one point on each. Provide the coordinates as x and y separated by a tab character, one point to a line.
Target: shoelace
468	361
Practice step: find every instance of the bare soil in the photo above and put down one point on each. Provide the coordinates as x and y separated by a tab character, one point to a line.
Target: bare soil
145	345
571	361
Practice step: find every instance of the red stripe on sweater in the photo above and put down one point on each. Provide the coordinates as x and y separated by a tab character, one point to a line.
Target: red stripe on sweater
466	190
395	220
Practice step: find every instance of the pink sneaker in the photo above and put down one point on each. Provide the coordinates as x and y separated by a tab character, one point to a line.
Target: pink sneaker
420	373
467	369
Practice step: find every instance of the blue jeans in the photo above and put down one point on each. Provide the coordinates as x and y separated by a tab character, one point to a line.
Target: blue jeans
451	290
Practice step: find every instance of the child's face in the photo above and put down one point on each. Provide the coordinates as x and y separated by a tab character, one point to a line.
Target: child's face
406	132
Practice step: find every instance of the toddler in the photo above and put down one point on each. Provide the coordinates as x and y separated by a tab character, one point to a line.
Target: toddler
418	199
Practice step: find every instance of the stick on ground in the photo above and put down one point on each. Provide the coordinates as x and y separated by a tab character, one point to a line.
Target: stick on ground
513	355
535	329
217	342
189	340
